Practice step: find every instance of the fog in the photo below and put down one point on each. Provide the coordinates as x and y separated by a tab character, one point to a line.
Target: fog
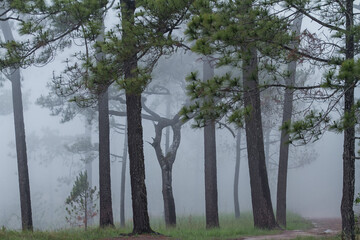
314	190
314	187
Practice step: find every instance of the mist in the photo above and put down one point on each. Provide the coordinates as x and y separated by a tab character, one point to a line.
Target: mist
314	190
314	185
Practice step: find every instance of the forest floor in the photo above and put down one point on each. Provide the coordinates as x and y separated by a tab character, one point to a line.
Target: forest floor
142	237
322	227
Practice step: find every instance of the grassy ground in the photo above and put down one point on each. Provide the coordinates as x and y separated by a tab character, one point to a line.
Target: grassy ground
74	234
187	228
192	228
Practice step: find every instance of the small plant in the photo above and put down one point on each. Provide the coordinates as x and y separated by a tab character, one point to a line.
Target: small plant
80	204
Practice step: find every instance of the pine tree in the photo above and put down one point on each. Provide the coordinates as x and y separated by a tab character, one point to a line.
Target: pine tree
81	206
238	41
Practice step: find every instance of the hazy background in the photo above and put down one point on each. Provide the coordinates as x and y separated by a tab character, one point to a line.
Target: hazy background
314	190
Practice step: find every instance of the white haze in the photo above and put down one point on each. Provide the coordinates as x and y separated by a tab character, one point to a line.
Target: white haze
313	190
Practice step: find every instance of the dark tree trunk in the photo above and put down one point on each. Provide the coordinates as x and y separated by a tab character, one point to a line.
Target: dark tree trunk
211	193
123	177
169	202
267	148
260	192
284	146
137	165
23	172
141	223
237	171
284	155
347	201
166	163
283	160
166	174
106	214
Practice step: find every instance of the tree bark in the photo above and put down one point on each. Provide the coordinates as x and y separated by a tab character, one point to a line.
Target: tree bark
347	201
137	165
260	192
23	172
166	172
123	178
237	171
106	214
211	193
141	223
169	202
166	162
284	146
267	148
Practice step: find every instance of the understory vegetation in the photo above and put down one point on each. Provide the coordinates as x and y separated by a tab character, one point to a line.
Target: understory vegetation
189	227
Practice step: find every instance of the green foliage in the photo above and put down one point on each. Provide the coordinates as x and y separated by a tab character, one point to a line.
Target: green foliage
310	128
81	203
224	27
315	123
47	27
146	36
214	99
131	48
228	29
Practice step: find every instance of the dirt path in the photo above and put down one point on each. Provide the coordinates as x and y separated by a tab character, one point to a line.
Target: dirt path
322	227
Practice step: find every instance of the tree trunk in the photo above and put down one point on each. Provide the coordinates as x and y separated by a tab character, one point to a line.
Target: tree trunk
106	214
166	174
137	165
169	202
284	146
123	177
166	163
237	171
260	192
267	148
141	223
211	193
88	168
347	201
23	172
167	130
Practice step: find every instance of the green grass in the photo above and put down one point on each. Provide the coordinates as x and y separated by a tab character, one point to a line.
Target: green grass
296	222
188	228
73	234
